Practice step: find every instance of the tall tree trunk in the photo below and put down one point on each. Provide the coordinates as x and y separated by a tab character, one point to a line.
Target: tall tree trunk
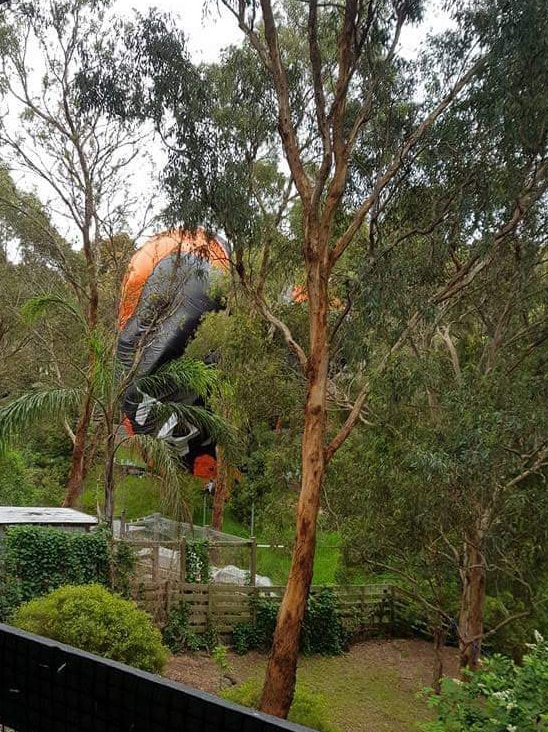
472	610
75	482
281	672
109	476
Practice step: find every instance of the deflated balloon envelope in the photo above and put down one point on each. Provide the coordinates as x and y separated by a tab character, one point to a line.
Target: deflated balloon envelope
165	293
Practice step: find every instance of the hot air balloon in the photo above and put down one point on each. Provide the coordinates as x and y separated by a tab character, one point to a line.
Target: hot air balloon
167	289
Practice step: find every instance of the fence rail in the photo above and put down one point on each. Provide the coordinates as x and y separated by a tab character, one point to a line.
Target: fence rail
47	686
361	607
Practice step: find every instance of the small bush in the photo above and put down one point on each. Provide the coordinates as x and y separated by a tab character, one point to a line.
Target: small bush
323	632
501	696
179	636
95	620
258	635
10	596
307	709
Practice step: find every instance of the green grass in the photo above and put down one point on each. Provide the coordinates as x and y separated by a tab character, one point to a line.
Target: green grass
364	695
138	495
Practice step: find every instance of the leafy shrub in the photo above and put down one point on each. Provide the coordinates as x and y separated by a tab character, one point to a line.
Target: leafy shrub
322	631
179	636
197	560
93	619
16	488
122	564
40	559
10	597
307	709
499	697
258	635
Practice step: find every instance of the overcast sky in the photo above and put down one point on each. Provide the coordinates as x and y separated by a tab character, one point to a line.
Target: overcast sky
207	35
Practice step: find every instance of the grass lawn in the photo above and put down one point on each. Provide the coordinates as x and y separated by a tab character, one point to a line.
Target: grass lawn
373	688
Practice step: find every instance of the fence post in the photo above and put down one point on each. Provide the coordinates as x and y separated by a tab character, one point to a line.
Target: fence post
182	561
210	598
167	599
253	562
155	561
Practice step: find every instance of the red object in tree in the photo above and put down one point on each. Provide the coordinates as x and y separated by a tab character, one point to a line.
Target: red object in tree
205	467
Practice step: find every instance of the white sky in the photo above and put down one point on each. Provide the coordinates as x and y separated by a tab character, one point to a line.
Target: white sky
207	35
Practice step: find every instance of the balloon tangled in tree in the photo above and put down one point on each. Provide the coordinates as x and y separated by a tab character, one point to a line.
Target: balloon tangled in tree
166	291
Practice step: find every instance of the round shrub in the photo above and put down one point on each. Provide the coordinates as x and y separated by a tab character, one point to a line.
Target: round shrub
93	619
307	709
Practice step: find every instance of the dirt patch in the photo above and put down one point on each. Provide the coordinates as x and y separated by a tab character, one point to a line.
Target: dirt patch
372	688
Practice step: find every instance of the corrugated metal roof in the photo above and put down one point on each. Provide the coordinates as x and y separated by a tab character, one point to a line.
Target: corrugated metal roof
43	515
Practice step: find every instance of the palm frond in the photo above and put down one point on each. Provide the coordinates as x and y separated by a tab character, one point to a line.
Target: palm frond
36	307
34	406
183	374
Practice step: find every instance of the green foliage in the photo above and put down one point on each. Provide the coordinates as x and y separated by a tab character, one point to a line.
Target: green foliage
42	559
499	697
308	709
322	631
47	451
197	560
220	656
256	635
122	565
16	488
10	596
93	619
179	636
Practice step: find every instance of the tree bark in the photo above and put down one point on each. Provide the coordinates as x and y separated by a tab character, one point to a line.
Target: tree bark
109	476
472	609
281	671
75	482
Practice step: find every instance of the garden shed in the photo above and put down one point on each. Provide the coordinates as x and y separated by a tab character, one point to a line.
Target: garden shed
60	518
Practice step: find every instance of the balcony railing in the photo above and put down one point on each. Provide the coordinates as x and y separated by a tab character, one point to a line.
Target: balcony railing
47	686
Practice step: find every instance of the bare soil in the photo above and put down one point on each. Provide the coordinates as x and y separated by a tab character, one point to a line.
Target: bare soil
372	688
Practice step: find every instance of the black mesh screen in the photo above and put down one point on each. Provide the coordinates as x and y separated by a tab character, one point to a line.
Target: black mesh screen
47	686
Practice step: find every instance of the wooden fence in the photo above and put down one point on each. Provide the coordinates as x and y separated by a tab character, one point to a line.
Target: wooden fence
160	585
361	607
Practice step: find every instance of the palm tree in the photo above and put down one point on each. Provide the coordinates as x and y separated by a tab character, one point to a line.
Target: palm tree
107	382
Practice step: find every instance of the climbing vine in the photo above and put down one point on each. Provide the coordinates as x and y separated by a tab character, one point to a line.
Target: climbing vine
37	559
197	561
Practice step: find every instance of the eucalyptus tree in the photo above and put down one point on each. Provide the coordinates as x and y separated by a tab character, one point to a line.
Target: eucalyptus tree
30	355
354	122
80	162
